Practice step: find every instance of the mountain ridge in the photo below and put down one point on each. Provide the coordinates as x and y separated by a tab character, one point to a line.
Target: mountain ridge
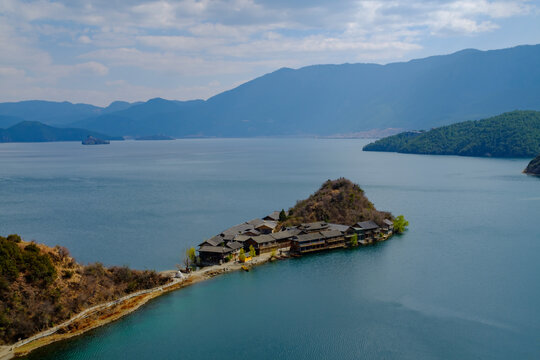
332	99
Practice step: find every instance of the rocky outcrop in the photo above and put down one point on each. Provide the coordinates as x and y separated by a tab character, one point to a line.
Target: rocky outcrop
534	166
94	141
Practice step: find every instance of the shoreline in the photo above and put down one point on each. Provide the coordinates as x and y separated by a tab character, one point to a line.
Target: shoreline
109	312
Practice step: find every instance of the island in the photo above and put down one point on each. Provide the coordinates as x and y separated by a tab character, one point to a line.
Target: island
512	134
534	167
90	140
155	137
46	296
34	131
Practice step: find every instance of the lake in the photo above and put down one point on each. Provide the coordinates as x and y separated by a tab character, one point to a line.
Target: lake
461	283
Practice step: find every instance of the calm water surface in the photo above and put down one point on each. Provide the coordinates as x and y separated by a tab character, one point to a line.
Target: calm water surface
461	284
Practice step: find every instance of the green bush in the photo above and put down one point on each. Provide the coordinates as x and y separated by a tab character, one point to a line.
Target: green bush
400	224
15	238
354	240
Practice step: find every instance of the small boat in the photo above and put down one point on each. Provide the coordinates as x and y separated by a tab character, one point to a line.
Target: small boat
245	268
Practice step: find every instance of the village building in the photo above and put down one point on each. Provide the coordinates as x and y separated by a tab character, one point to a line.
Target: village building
305	243
284	238
317	241
213	241
367	231
210	255
272	217
263	226
333	239
305	238
388	227
262	244
313	227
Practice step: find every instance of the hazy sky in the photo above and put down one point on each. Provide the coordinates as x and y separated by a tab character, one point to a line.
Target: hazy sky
100	51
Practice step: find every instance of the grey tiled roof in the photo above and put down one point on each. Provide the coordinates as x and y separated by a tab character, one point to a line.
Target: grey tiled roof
215	249
367	225
338	227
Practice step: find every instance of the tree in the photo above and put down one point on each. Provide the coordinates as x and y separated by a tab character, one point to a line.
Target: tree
252	251
190	258
354	240
273	254
242	255
400	224
191	255
282	216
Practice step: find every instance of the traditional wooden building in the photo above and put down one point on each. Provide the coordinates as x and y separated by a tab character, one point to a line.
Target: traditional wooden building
211	255
388	227
306	243
213	241
272	217
313	227
367	231
284	238
333	239
262	244
318	241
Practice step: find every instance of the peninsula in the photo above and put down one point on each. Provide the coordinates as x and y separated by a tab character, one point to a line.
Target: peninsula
63	299
512	134
338	215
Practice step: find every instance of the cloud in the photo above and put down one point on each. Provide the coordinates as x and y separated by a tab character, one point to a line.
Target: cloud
69	44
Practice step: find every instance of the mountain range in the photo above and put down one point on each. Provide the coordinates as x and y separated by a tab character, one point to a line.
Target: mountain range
323	99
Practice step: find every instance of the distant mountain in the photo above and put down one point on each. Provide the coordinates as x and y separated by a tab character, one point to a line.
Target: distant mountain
513	134
534	166
7	121
55	113
156	116
33	131
338	99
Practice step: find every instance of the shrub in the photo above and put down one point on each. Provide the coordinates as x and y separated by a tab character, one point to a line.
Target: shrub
14	237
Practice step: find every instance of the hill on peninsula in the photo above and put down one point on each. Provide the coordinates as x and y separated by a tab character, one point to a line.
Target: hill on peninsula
337	201
33	131
513	134
325	99
41	286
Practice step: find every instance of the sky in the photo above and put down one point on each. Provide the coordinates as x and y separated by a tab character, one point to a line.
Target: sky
100	51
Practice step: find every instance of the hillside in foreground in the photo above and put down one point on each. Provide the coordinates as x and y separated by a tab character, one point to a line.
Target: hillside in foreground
512	134
42	286
34	131
534	166
337	201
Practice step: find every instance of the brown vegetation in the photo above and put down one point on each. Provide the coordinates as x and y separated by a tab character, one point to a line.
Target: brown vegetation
42	286
337	201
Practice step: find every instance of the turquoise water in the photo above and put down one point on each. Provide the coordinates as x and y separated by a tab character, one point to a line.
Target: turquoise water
461	283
